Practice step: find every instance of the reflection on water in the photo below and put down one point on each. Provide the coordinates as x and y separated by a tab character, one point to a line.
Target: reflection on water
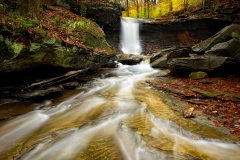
117	118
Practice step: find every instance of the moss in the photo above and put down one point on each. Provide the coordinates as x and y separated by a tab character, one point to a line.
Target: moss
15	47
206	43
80	50
237	57
49	40
198	75
34	47
22	22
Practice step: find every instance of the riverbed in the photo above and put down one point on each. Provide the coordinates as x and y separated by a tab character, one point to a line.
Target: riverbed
116	116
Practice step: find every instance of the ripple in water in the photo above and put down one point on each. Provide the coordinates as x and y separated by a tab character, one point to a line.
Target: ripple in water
107	121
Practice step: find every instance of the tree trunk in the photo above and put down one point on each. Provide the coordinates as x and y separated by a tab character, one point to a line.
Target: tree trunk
148	7
127	9
137	9
185	4
203	5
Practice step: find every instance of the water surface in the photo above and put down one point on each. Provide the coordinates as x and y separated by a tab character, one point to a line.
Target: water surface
117	117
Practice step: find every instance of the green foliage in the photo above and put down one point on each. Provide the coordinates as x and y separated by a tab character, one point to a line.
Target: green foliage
3	7
23	22
83	8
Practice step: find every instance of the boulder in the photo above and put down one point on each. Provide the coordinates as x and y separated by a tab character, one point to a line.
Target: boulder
161	53
111	64
185	65
225	49
160	62
198	75
237	55
224	35
157	56
182	52
235	35
129	59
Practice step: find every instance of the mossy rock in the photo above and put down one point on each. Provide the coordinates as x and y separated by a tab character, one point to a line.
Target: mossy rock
198	75
80	45
235	35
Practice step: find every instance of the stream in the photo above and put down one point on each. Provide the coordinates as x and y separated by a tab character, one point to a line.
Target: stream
117	116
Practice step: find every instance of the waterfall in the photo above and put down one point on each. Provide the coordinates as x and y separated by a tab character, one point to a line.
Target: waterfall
130	43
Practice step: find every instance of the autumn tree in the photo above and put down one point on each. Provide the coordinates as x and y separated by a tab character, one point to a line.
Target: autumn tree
203	4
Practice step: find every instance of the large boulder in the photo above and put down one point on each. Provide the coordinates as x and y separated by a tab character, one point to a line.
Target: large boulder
159	60
185	65
237	55
225	49
222	36
182	52
61	39
162	53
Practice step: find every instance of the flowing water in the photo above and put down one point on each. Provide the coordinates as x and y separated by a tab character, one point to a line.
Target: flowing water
130	43
117	117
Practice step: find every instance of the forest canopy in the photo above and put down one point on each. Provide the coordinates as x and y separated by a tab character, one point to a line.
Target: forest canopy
155	8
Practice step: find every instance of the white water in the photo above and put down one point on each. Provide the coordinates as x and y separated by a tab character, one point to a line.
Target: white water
130	42
113	99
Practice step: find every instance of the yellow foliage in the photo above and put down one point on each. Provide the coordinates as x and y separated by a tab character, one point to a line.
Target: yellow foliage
163	7
191	109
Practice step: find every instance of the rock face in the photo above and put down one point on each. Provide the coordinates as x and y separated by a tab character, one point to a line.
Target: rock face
75	43
105	14
156	36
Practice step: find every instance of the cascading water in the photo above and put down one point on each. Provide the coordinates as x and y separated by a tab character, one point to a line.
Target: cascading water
130	42
117	118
